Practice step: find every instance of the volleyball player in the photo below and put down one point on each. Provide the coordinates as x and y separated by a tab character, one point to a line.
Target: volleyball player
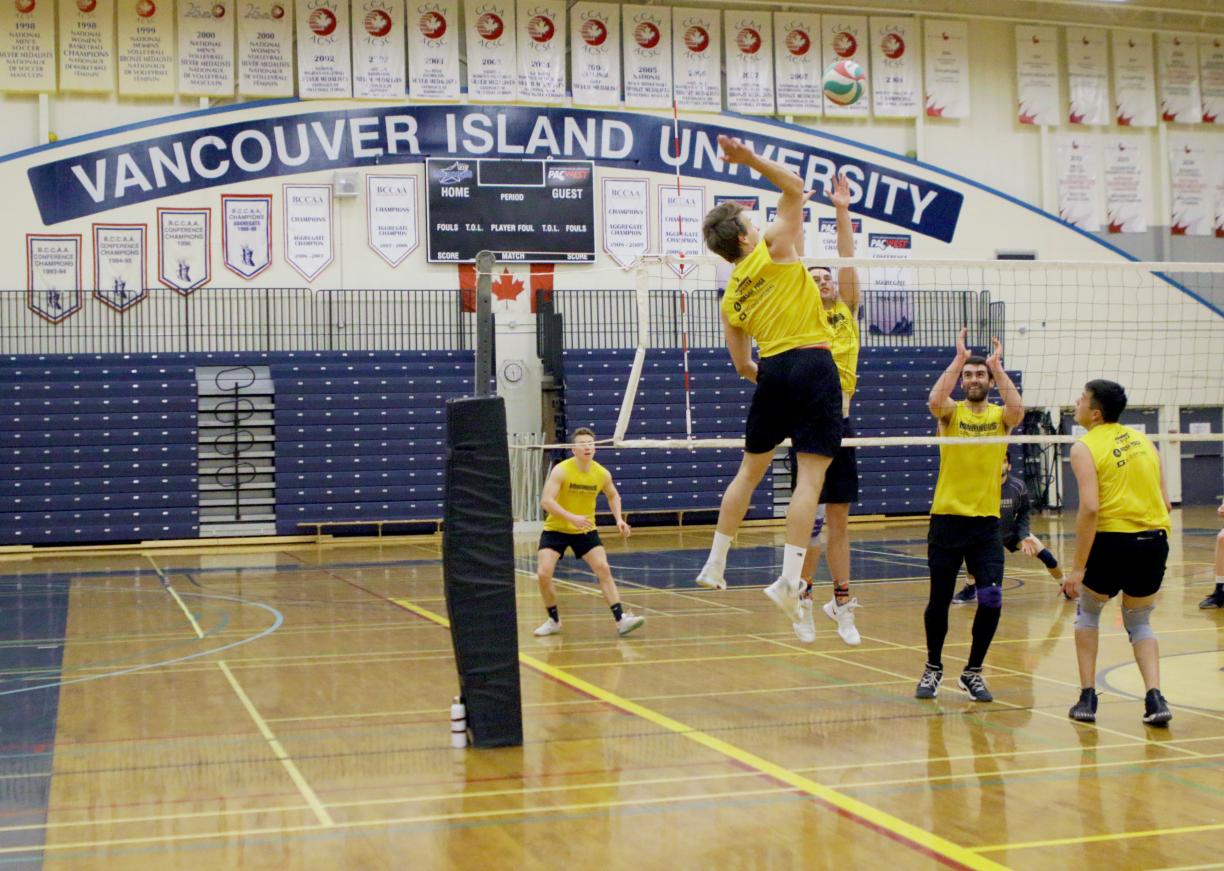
1215	599
1015	508
773	300
840	490
569	498
965	512
1121	542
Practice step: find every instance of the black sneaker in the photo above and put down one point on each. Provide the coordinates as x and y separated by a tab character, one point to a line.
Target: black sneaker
967	594
1215	600
1155	709
1084	710
928	687
972	683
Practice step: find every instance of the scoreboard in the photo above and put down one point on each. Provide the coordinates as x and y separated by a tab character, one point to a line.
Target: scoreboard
525	211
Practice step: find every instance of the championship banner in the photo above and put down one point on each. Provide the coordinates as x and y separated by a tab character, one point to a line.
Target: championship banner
120	277
1134	78
308	228
27	60
492	71
798	73
946	69
246	233
1219	194
1125	210
1078	173
53	275
206	47
1177	58
681	210
541	51
626	219
595	54
890	313
696	61
748	57
1211	78
647	39
184	248
433	49
378	50
1193	190
1087	76
146	48
894	90
265	48
1037	77
845	38
324	68
392	216
87	46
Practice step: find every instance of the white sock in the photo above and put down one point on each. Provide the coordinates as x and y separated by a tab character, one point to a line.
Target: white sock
718	551
792	563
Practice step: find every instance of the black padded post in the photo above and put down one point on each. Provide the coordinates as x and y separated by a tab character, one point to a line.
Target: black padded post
478	568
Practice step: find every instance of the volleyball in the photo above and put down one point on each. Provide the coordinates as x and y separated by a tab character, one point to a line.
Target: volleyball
844	82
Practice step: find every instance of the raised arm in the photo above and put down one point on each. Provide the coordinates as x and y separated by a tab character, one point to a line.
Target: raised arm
1085	518
784	235
847	276
739	344
1013	405
940	401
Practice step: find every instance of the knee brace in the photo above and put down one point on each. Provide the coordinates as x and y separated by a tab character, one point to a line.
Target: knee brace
1136	622
1088	612
990	597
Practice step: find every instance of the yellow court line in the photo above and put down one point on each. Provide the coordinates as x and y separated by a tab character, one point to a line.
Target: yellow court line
1096	839
874	817
296	776
190	617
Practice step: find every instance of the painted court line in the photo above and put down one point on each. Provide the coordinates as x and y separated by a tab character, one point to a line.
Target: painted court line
886	824
166	583
1096	839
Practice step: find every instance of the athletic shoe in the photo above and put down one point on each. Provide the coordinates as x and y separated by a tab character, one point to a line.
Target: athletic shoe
786	597
805	629
843	616
1085	709
1215	600
548	627
967	594
928	687
971	682
1155	709
711	578
628	622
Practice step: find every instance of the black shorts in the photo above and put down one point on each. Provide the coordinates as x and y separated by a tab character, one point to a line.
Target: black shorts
798	396
1127	562
581	542
974	541
841	483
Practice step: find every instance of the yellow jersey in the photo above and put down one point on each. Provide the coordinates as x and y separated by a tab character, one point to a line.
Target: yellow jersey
845	348
778	304
1128	480
968	484
579	490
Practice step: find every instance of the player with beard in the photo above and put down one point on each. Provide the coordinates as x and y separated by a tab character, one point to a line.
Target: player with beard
965	512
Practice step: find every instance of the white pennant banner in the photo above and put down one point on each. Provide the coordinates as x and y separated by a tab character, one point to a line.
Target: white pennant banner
246	233
53	275
1178	62
626	219
647	40
749	62
323	46
797	69
491	65
681	211
1087	76
595	54
1193	190
120	277
184	248
308	228
392	216
1211	78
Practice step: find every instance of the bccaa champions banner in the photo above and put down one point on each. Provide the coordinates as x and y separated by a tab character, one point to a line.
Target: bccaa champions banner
119	264
184	248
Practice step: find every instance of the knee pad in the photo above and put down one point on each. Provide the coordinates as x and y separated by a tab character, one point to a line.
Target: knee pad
1088	612
1136	621
818	531
990	597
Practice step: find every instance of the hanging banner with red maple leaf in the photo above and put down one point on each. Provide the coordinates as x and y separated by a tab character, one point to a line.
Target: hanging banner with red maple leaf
1124	166
514	290
1192	190
1037	78
749	62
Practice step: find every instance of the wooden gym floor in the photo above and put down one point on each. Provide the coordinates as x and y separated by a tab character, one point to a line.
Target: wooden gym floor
278	707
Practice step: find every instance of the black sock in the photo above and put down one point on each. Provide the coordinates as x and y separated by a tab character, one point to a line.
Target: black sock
985	622
1220	588
553	614
935	620
841	595
617	612
1047	559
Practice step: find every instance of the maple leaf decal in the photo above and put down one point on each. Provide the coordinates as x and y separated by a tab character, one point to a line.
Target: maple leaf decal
507	286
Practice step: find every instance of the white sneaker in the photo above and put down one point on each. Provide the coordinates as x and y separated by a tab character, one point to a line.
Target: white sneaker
844	618
805	629
711	578
785	595
548	627
628	622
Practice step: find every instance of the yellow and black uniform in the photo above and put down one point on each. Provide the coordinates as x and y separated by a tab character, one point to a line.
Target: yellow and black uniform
841	480
577	495
1132	541
798	393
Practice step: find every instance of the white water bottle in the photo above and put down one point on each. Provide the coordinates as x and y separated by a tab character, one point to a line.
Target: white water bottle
458	724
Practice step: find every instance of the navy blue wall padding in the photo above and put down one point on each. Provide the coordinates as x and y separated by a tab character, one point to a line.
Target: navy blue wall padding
478	569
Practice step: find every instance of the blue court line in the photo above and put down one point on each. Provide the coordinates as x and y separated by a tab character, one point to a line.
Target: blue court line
52	577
